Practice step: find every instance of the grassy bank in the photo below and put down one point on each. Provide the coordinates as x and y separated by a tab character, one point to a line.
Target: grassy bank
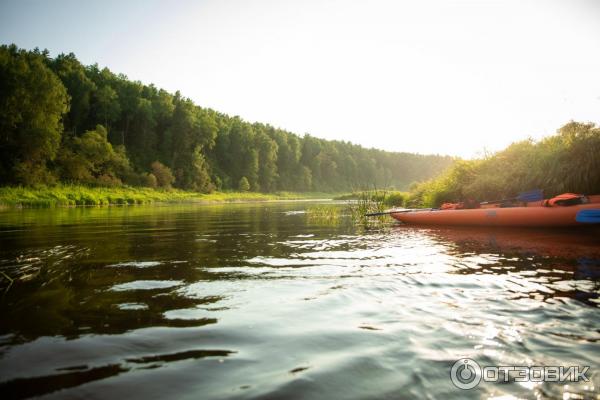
565	162
73	195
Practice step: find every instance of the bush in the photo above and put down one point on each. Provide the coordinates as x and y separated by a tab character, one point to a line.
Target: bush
108	181
92	160
150	181
163	174
395	199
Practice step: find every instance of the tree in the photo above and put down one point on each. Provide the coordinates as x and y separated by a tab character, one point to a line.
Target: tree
191	131
267	162
32	103
288	158
244	185
162	111
305	179
129	94
80	88
242	153
311	148
201	181
142	139
107	105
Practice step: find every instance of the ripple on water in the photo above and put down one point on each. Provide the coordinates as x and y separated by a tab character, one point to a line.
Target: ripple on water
132	306
186	313
137	264
146	285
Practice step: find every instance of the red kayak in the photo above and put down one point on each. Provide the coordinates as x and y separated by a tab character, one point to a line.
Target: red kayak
533	214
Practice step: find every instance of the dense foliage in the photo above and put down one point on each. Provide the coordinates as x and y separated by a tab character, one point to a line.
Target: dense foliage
63	121
32	103
566	162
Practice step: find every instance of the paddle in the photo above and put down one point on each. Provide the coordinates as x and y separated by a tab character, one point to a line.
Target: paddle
532	195
375	214
588	216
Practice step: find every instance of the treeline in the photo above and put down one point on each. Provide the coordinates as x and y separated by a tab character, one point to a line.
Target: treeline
566	162
61	121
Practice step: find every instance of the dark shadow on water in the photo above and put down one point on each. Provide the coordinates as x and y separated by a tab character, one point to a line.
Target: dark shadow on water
22	388
185	355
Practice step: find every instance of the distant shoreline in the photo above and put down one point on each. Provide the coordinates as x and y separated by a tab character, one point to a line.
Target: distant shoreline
80	196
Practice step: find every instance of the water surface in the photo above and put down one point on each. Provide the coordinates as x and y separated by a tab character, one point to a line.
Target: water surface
262	301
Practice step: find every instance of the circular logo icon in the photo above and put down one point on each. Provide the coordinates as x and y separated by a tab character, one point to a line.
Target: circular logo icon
465	374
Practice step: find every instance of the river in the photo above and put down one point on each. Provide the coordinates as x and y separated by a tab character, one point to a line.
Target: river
263	301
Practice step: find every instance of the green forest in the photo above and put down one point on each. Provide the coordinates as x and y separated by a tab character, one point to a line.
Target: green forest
64	122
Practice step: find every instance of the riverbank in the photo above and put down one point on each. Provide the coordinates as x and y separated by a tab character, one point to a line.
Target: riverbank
76	195
565	162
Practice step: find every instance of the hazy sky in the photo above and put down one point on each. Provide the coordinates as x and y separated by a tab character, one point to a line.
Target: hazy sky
450	77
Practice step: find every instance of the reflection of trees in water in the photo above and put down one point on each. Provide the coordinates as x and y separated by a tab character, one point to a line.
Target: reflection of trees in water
78	300
70	294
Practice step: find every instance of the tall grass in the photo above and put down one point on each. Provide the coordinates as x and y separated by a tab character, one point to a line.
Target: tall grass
566	162
389	198
371	201
324	214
